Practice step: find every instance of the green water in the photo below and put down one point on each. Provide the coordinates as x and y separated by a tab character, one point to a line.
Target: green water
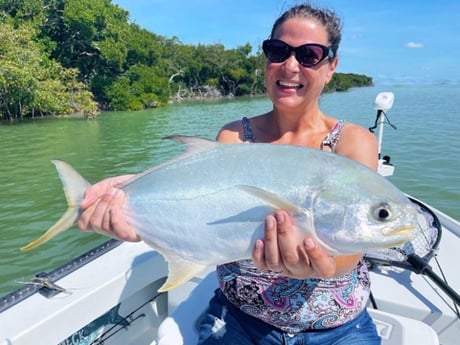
423	149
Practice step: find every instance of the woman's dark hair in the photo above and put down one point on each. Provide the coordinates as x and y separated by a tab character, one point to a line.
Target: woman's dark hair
326	17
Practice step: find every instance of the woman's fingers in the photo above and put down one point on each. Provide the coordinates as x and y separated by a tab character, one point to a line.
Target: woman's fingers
283	250
104	214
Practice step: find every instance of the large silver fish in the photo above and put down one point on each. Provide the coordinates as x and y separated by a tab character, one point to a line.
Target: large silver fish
208	206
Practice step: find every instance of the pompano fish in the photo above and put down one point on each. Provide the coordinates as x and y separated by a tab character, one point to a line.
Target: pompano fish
208	206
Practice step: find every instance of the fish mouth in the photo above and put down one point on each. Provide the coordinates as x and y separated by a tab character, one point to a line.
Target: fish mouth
405	231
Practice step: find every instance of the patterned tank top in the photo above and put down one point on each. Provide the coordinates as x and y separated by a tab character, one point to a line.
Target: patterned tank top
295	305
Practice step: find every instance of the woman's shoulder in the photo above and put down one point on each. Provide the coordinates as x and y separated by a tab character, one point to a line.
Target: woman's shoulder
241	130
353	132
231	132
358	143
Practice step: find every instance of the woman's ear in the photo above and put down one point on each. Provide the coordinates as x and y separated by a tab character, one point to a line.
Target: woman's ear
332	67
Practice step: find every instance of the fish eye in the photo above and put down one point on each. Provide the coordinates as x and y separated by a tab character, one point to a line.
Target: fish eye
382	212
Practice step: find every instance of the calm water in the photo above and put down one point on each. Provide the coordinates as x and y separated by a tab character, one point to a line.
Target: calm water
424	149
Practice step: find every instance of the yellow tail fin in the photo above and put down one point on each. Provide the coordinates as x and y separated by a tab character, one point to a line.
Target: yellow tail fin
74	188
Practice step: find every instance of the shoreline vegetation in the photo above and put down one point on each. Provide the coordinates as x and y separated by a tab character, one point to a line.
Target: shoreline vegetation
66	57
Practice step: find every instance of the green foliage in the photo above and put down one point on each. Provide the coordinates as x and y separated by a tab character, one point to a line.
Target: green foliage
31	83
64	56
345	81
141	87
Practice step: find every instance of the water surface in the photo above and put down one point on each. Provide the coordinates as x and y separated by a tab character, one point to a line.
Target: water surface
424	149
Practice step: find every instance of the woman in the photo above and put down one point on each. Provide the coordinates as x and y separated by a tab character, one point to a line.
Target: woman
286	294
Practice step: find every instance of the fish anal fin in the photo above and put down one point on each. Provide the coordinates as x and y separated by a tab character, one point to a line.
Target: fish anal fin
180	271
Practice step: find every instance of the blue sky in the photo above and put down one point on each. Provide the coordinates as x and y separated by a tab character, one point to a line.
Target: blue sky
407	41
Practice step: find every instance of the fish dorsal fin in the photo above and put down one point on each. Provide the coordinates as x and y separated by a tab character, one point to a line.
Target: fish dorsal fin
193	145
180	271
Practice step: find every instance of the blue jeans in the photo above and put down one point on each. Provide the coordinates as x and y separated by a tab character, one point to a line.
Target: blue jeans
224	324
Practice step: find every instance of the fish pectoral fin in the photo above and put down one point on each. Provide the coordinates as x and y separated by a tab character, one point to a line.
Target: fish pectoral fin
180	271
272	199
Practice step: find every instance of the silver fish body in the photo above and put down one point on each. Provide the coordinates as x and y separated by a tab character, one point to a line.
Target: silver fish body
208	206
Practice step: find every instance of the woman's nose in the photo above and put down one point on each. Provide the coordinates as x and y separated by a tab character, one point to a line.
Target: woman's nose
291	62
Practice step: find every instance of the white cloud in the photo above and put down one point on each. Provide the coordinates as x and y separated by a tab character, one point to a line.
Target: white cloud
414	45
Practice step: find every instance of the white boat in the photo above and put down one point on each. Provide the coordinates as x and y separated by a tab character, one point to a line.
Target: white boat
109	294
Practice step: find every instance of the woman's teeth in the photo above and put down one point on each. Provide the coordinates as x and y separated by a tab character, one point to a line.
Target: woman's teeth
289	84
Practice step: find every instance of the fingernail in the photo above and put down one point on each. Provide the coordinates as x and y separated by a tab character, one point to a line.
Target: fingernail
279	217
270	222
309	243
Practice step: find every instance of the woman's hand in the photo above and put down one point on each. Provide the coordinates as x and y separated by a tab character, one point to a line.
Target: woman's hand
281	252
101	210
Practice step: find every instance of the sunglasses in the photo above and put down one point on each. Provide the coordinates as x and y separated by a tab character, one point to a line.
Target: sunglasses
308	55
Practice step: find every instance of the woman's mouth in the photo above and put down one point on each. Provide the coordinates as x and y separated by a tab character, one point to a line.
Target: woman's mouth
289	85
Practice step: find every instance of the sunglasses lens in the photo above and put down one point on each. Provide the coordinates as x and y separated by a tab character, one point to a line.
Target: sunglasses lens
307	55
310	55
276	51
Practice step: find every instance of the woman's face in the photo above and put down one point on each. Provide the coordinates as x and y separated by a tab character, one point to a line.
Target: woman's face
289	84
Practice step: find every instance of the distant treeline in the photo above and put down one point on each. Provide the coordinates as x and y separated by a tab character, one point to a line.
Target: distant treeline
82	56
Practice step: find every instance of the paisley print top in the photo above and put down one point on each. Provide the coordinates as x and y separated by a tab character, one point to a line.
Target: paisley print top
295	305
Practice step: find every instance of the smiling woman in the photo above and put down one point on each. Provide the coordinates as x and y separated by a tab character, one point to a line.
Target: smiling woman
301	60
248	300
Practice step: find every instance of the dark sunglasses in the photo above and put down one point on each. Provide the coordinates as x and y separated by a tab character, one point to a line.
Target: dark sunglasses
308	55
